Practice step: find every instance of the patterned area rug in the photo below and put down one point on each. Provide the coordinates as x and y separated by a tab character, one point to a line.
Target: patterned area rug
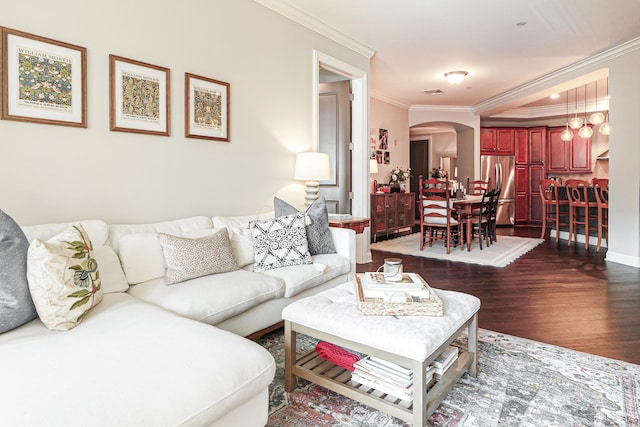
521	383
500	254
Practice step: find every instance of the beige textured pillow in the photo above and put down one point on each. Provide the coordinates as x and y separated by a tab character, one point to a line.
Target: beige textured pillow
190	258
63	278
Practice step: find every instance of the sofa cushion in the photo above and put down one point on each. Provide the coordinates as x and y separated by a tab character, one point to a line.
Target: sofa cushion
111	275
188	258
141	254
16	305
299	278
178	227
280	242
64	279
239	220
98	231
211	299
318	235
138	365
242	245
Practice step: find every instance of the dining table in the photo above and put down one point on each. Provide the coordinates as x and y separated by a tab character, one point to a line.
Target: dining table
465	206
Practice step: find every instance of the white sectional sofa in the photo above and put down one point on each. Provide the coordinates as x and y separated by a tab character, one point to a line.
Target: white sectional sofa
151	354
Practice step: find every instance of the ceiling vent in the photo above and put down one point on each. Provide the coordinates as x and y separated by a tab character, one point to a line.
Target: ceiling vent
433	92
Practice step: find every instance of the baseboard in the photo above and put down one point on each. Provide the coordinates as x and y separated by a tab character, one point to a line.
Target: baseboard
623	259
593	240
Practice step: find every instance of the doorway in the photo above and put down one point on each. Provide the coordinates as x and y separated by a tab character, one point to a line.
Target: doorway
334	128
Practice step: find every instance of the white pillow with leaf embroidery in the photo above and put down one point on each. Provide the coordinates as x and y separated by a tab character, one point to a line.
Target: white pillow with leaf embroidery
63	278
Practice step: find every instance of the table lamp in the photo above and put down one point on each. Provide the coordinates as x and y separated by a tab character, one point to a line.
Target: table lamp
312	167
373	168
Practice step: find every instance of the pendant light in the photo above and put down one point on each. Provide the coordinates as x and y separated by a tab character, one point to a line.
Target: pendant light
567	134
597	117
576	121
585	131
604	127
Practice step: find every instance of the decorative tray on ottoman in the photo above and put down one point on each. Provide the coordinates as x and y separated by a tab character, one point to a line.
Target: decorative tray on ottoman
422	302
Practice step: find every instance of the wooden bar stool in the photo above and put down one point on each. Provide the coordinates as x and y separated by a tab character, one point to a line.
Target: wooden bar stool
601	190
551	207
579	205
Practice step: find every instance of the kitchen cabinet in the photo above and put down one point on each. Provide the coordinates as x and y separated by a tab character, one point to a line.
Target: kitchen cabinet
391	213
497	141
530	169
568	156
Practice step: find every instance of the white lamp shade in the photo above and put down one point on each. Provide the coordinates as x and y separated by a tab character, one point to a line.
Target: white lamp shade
373	166
312	166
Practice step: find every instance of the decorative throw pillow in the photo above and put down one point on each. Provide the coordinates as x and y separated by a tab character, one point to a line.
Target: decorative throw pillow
64	278
188	258
280	242
16	305
318	234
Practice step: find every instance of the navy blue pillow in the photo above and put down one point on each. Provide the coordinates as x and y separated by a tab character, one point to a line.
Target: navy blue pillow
16	305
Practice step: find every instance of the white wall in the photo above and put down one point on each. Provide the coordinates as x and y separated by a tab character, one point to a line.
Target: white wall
624	147
394	119
57	173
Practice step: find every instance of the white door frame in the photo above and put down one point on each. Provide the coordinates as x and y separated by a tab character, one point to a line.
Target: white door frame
359	125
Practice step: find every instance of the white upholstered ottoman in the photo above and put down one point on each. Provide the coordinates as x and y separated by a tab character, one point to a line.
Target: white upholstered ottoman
410	341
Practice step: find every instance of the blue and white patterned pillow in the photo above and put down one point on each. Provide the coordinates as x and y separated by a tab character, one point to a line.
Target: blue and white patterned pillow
280	242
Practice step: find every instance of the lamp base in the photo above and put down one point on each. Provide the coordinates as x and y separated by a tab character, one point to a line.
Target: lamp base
312	189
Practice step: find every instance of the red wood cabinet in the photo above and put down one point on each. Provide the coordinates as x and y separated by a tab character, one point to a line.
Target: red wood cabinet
500	141
522	193
487	140
537	142
391	212
521	146
536	174
567	156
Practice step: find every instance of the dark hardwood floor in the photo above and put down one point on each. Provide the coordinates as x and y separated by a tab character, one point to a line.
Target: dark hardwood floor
557	294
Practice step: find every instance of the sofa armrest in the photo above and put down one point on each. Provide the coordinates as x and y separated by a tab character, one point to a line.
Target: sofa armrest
344	241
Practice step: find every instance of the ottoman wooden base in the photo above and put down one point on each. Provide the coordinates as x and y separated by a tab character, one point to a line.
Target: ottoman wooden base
317	370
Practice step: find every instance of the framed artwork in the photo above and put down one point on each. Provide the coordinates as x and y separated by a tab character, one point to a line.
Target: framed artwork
206	106
387	157
139	97
383	139
43	80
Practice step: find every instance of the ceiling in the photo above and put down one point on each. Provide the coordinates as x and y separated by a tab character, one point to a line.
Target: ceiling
505	45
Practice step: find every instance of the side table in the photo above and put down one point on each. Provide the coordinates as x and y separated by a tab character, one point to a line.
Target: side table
362	228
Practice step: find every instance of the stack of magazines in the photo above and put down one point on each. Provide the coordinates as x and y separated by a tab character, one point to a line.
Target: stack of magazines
387	377
410	288
445	360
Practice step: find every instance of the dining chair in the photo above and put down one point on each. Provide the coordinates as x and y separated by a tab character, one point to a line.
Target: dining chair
481	217
492	216
437	220
579	206
554	208
601	190
477	187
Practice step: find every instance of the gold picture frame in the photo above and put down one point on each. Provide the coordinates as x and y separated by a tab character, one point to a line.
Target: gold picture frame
206	105
43	80
138	97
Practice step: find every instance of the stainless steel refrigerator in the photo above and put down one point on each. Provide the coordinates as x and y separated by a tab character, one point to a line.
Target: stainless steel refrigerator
501	170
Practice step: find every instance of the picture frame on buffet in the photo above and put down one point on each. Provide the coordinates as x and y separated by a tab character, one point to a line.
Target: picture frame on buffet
206	108
139	99
43	80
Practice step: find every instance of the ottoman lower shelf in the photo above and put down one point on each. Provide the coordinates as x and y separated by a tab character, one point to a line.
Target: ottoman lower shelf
426	400
324	373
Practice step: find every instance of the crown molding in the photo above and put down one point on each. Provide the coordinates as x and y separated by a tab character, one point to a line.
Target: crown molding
443	108
574	70
287	10
386	99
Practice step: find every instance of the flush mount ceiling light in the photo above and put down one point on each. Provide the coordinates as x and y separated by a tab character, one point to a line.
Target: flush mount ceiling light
455	77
